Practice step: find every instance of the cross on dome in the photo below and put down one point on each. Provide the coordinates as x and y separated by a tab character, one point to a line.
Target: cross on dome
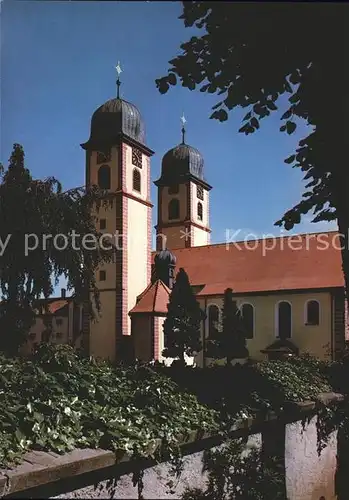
184	121
118	83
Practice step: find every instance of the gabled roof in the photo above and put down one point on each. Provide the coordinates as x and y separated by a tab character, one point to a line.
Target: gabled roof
281	345
154	299
57	306
298	262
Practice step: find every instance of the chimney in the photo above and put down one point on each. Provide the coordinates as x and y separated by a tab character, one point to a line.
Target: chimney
63	292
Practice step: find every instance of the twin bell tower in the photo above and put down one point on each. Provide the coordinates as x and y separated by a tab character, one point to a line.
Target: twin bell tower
118	161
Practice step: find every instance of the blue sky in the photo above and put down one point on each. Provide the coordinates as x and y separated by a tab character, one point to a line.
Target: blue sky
57	67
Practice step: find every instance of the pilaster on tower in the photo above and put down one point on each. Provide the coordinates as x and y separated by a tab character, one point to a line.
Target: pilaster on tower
118	161
183	199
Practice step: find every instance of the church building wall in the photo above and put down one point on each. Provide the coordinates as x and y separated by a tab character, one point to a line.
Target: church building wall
199	237
142	337
102	331
137	248
315	340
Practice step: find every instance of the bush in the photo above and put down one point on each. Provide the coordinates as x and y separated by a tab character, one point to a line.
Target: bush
58	400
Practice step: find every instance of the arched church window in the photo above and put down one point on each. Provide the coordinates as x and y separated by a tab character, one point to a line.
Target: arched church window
200	211
247	314
136	180
174	189
173	209
312	312
200	192
213	320
104	177
284	320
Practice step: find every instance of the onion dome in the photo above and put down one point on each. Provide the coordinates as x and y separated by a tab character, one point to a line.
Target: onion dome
114	119
165	257
164	267
181	163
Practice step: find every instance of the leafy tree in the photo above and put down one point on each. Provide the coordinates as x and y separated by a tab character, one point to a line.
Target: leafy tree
182	326
245	53
30	211
230	342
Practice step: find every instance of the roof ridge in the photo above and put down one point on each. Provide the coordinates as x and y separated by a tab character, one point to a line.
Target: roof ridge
246	241
166	288
156	292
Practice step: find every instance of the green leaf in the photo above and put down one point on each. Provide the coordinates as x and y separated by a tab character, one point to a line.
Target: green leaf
220	115
287	114
290	127
162	85
271	105
290	159
255	123
295	78
172	79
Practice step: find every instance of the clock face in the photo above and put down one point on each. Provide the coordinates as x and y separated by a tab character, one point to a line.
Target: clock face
200	192
136	157
103	156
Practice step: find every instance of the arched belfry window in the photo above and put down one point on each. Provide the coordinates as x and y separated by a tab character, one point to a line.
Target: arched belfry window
284	320
173	209
136	180
247	314
213	320
104	177
312	312
200	211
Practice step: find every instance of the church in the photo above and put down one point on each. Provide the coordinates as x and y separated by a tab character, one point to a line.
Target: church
293	292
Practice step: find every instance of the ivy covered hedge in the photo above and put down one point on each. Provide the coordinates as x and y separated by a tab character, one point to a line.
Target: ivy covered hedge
59	401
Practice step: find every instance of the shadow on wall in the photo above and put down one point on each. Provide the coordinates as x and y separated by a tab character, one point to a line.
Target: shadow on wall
342	476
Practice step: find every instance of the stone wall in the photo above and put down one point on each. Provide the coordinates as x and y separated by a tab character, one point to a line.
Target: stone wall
88	473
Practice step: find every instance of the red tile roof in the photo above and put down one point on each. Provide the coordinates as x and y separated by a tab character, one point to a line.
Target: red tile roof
310	262
55	306
154	299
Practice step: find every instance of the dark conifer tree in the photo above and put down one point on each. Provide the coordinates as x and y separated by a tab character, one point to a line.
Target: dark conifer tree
182	327
230	340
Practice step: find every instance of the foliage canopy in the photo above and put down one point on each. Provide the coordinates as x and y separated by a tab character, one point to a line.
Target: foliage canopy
245	53
182	326
42	231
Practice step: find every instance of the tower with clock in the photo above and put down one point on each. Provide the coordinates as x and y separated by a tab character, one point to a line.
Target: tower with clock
118	161
183	199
